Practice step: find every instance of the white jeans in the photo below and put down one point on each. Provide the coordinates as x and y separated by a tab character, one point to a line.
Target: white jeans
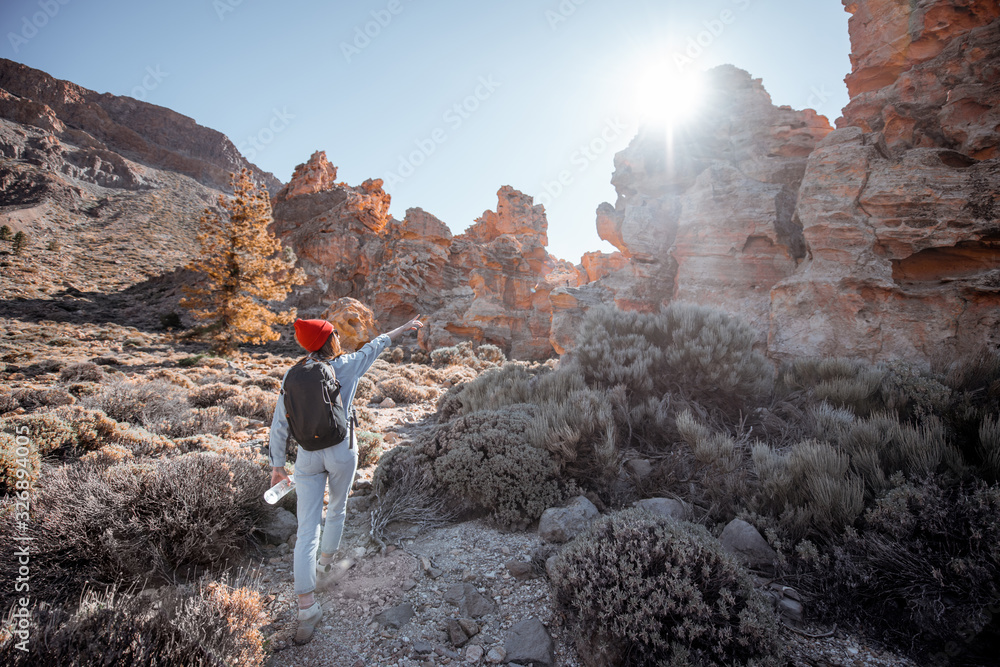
314	471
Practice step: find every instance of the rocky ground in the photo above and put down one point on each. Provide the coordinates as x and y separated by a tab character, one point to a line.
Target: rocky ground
419	603
464	593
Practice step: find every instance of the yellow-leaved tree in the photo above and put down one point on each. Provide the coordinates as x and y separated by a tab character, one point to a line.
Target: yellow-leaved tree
244	268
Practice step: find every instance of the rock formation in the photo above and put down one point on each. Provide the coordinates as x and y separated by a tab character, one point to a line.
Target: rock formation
898	208
706	213
877	240
925	74
144	133
489	285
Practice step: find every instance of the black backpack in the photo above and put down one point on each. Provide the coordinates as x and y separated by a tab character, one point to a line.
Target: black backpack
315	411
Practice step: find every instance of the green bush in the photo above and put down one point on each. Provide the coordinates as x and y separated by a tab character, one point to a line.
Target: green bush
486	460
647	590
210	625
131	522
691	351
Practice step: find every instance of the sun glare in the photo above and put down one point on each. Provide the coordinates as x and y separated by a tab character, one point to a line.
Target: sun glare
667	97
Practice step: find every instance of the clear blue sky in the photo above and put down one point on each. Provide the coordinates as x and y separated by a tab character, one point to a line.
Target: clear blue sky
535	82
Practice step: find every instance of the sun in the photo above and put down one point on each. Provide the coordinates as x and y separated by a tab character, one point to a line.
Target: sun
667	97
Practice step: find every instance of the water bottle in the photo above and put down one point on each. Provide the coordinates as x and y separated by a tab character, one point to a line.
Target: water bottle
278	491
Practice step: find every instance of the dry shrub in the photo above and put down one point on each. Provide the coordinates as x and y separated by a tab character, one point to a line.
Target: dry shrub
139	403
365	391
84	371
697	353
267	383
402	390
647	590
251	402
47	432
133	521
486	461
464	354
212	394
94	429
809	489
880	446
405	491
212	624
8	403
171	376
19	465
32	399
923	566
716	466
108	455
370	448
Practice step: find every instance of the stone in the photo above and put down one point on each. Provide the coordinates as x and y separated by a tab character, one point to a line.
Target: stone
469	627
528	642
918	74
474	653
549	565
561	524
353	320
279	526
641	468
744	541
456	634
791	609
666	507
313	176
469	601
520	570
421	647
387	403
496	655
396	617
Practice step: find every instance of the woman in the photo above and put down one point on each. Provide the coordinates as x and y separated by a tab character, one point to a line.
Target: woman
333	466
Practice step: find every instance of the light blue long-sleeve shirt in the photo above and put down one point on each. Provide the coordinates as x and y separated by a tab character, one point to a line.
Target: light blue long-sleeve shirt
348	368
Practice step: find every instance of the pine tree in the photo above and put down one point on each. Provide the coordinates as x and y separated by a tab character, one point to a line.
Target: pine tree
20	243
243	267
5	233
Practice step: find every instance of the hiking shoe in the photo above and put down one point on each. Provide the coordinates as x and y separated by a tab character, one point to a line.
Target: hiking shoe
332	572
308	619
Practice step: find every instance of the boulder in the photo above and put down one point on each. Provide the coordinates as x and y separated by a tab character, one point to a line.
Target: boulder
744	541
528	642
279	526
561	524
666	507
396	617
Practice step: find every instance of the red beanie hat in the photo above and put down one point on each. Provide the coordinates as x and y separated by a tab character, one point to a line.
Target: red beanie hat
311	334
